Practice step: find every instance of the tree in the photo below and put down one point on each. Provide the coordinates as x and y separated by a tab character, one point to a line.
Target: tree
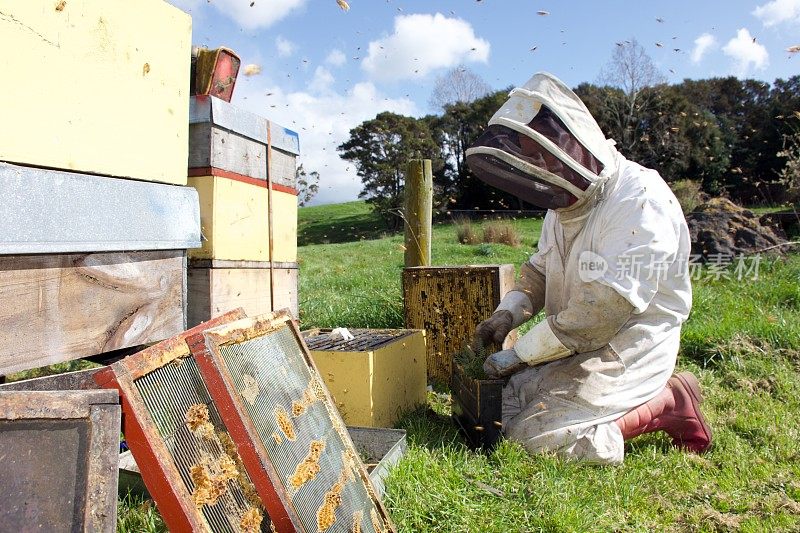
307	185
380	150
632	71
458	85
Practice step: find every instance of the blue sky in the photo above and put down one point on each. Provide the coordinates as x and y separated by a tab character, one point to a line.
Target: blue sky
323	70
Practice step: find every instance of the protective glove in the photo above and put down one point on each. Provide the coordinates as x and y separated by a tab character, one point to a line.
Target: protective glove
503	363
495	328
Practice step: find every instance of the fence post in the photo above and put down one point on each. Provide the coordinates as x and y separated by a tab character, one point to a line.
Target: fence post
418	212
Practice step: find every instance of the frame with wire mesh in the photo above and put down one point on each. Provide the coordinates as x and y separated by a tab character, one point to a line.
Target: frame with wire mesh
259	371
186	454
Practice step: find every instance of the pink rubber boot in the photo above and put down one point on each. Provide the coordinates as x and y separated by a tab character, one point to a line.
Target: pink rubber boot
675	410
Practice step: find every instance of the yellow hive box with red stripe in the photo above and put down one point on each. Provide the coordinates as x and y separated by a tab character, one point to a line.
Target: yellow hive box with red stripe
96	86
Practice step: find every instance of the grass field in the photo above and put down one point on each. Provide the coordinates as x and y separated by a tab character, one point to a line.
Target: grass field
742	340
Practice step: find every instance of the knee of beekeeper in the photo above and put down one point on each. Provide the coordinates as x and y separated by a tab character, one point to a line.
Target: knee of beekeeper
598	444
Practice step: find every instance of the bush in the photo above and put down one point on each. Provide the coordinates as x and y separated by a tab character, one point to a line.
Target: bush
501	232
485	250
466	232
688	193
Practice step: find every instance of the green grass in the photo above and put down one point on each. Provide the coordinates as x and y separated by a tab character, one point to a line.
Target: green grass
742	340
350	221
357	284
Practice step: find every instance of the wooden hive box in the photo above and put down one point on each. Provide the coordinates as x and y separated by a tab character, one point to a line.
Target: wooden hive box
93	92
374	377
448	303
244	166
99	266
216	287
58	466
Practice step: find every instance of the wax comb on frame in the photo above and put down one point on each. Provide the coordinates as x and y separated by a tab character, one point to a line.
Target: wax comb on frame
260	373
184	451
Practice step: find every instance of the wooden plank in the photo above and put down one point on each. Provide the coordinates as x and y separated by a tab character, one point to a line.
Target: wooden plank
213	291
94	93
69	306
212	146
448	303
224	263
79	380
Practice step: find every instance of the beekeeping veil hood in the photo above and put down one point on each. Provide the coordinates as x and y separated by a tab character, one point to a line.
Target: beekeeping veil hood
545	147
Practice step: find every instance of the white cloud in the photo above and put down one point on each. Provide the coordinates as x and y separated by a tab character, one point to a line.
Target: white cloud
422	43
263	14
746	53
323	119
285	47
703	44
778	11
336	58
322	82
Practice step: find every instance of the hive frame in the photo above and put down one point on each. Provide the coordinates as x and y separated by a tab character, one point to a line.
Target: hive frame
159	473
205	347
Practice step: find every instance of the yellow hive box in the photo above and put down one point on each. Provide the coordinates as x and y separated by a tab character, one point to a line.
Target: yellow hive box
374	377
234	220
98	86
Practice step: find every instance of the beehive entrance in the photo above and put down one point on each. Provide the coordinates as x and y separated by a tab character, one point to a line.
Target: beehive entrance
363	339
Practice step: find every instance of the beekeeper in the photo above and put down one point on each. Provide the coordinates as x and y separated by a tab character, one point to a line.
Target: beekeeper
611	273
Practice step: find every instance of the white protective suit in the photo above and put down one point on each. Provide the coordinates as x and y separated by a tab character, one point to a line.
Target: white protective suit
612	275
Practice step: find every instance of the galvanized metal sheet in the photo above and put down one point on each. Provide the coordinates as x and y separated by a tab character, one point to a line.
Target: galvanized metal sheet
52	211
237	120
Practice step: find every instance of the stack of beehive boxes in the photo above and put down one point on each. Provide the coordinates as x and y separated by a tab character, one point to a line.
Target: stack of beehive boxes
243	167
96	217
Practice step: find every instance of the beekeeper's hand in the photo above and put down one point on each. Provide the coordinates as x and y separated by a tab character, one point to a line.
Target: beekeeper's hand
503	363
493	329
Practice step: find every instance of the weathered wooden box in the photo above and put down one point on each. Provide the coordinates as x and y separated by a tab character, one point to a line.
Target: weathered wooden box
448	303
92	91
89	264
228	141
58	466
216	287
374	377
243	166
477	408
